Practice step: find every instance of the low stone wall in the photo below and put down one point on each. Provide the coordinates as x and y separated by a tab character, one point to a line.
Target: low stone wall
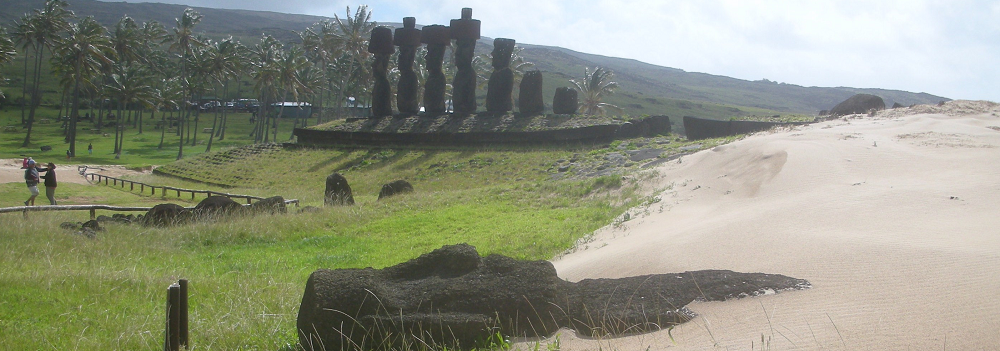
647	126
700	128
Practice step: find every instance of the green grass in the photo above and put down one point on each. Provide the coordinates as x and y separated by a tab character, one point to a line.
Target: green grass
64	291
140	150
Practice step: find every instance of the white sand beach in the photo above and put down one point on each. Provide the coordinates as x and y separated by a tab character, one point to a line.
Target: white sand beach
894	219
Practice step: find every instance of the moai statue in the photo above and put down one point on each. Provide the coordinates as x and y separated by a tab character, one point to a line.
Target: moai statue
529	97
381	46
565	101
465	31
437	37
407	91
501	83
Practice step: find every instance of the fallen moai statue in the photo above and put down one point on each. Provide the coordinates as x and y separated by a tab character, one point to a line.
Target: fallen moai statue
456	298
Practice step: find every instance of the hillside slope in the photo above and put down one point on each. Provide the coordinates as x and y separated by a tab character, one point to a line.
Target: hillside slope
645	88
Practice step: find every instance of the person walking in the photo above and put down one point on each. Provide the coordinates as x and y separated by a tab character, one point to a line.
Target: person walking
50	183
31	179
90	149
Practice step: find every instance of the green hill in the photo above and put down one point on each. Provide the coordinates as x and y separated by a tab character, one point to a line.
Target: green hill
645	88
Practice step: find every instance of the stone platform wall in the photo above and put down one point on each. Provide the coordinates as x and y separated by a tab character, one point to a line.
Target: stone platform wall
649	126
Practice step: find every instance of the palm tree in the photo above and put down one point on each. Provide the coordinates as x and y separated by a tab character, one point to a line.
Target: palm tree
24	35
352	36
169	96
184	42
224	64
266	76
596	85
47	24
288	66
130	86
7	49
85	49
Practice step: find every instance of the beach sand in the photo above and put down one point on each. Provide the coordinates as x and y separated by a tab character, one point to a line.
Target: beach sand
894	218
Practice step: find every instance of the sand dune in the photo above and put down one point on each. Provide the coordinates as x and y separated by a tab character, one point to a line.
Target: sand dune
893	218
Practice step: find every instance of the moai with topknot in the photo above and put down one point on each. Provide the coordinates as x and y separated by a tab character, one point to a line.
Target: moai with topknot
530	100
501	84
408	89
381	46
465	31
437	38
565	101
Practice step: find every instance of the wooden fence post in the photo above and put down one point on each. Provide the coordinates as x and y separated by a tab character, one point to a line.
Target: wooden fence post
172	340
93	213
183	320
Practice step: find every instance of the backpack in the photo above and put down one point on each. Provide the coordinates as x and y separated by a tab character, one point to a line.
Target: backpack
24	163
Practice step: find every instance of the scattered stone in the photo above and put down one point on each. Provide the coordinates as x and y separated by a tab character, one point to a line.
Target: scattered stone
87	232
456	298
216	206
271	205
92	225
563	168
309	209
395	187
338	192
103	218
46	148
164	215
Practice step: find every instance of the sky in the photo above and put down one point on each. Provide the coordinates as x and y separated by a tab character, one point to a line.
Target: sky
949	48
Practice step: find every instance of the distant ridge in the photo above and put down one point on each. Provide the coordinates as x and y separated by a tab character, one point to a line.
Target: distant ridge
645	88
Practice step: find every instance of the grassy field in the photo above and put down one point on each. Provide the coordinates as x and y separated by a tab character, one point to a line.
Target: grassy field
140	150
65	291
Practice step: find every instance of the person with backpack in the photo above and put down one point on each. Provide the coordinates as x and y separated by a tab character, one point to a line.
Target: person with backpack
31	179
50	183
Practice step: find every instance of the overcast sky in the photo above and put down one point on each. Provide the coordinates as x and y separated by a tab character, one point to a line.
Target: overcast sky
948	47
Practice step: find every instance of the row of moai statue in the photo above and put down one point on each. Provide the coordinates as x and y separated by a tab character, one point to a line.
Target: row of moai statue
465	32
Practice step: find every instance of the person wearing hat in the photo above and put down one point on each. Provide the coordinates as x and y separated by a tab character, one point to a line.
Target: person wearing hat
50	183
31	178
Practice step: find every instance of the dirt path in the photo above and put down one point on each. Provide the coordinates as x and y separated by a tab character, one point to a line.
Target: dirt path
11	172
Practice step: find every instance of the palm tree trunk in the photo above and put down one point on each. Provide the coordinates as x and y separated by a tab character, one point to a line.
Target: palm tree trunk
24	88
36	97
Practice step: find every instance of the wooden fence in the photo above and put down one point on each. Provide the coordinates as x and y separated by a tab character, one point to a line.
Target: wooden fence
112	181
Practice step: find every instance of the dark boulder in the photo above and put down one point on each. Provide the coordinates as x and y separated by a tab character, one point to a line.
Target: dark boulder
456	298
163	215
69	225
338	192
896	105
46	148
860	103
217	206
271	205
395	187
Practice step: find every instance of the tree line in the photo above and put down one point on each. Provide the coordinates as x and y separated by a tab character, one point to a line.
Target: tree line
134	69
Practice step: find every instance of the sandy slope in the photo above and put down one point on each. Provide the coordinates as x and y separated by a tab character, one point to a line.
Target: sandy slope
893	218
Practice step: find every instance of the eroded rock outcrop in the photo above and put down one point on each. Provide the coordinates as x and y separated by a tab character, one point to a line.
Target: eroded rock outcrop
860	103
452	296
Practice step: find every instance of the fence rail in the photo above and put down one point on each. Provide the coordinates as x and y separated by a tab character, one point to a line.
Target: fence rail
98	178
93	208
